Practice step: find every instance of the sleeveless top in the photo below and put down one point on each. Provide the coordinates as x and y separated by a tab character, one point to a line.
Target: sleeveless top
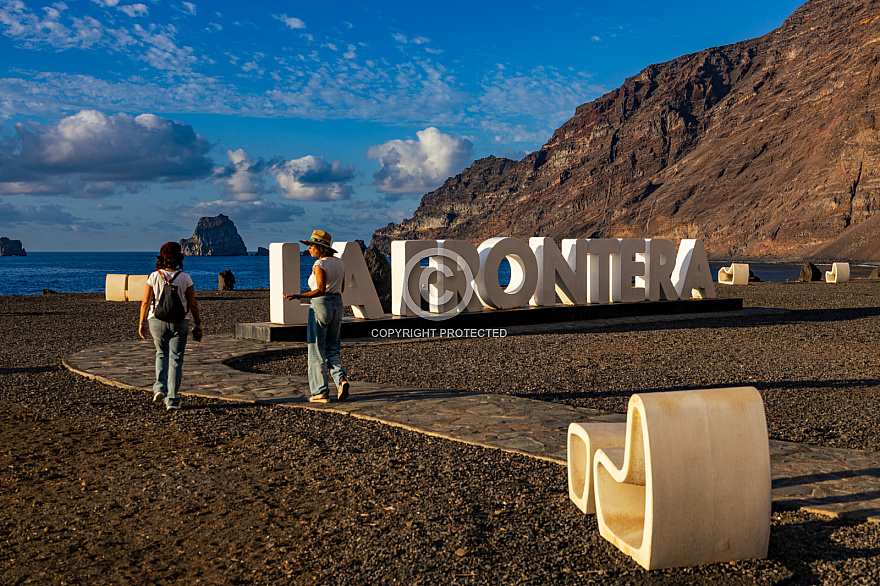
334	272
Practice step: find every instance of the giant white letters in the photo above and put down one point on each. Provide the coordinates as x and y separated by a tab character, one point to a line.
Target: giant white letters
626	270
598	270
405	283
692	270
359	291
562	273
452	285
284	280
523	273
659	259
600	251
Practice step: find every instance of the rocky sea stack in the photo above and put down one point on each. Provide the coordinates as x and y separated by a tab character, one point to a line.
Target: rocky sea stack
11	247
214	236
764	148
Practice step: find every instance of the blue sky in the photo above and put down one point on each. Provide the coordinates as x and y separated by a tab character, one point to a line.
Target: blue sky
122	123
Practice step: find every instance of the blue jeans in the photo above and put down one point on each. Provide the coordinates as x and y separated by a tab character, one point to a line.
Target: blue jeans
322	335
170	342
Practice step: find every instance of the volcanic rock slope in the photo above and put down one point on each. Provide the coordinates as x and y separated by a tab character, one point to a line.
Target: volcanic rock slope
765	148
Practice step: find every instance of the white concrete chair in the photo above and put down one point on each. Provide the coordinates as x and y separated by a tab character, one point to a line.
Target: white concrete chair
736	274
839	273
137	284
692	484
115	287
583	441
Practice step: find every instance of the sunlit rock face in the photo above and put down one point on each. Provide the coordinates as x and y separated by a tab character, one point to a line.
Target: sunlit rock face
765	148
214	236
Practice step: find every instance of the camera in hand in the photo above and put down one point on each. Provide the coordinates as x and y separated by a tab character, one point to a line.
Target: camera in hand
197	336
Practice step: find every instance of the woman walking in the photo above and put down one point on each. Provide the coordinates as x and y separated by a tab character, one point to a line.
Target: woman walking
326	284
169	301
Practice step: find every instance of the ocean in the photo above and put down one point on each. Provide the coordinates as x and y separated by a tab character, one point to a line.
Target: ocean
85	272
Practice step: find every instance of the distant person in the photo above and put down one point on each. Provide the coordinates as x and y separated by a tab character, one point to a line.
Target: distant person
168	321
325	319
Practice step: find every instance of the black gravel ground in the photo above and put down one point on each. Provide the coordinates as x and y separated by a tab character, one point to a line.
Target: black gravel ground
98	486
817	367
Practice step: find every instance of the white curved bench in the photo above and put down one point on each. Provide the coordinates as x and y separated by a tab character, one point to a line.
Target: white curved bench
115	287
137	284
583	441
692	484
736	274
124	287
839	273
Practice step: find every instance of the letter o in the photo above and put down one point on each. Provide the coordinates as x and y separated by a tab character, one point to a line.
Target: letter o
523	273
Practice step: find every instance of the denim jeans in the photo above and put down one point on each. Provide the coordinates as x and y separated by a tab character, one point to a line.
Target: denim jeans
170	342
322	335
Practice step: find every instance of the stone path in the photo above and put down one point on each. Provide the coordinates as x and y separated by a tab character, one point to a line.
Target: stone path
829	481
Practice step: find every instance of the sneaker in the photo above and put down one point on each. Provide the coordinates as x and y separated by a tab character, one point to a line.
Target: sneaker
175	406
342	390
158	397
322	398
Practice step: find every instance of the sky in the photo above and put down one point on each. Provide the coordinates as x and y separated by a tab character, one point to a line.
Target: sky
122	123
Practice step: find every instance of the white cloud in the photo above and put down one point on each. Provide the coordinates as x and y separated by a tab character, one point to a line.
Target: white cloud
540	91
162	51
544	96
504	132
404	39
290	21
312	178
329	78
134	10
90	153
419	166
241	178
190	7
53	216
350	226
244	212
18	22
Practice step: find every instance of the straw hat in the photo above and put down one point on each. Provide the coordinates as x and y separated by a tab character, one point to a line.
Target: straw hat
320	238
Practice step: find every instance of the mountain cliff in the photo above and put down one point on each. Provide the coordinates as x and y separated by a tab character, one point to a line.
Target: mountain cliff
765	148
214	236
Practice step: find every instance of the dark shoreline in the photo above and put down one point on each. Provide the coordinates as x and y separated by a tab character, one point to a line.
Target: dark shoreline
102	487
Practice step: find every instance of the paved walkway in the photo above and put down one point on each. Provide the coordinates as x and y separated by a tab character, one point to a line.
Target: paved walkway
829	481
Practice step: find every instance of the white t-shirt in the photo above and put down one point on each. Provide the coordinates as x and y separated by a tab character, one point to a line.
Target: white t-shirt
155	280
334	272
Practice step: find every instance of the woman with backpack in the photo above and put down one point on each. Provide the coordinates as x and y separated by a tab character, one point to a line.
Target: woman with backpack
169	300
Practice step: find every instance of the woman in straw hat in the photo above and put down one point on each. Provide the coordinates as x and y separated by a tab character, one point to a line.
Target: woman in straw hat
325	319
169	337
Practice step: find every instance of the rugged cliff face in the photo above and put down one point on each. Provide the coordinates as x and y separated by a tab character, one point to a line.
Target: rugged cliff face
215	236
764	148
11	247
